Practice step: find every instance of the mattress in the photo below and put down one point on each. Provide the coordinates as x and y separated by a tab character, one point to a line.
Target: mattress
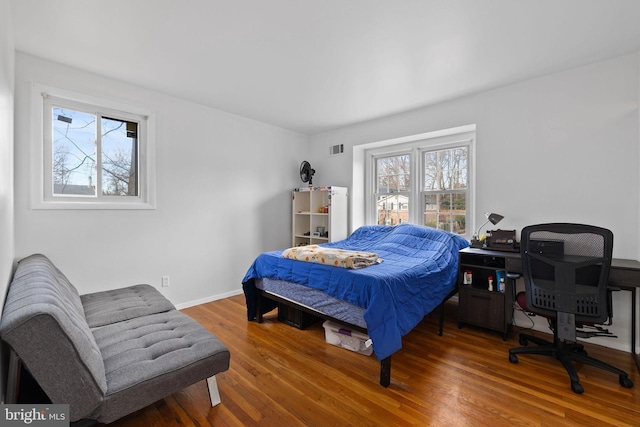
315	300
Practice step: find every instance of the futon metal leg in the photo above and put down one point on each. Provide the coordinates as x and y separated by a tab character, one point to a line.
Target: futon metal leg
214	394
13	378
385	372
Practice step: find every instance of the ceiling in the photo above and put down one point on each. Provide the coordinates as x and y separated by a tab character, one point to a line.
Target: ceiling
315	65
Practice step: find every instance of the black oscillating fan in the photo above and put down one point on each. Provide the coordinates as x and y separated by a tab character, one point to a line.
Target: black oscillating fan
306	172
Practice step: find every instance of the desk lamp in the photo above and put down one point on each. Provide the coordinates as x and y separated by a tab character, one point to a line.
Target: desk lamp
492	218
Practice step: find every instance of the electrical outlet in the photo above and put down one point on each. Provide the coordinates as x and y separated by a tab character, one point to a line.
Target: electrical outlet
165	281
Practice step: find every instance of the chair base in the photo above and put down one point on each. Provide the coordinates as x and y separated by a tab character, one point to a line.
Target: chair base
566	353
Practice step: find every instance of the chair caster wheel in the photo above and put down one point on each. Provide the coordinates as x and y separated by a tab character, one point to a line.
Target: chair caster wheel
514	359
523	341
577	388
625	382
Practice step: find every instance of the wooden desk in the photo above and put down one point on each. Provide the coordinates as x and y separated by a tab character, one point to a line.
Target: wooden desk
477	305
624	275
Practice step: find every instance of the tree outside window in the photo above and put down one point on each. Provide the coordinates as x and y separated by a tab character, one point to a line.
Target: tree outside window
93	154
424	185
90	152
445	189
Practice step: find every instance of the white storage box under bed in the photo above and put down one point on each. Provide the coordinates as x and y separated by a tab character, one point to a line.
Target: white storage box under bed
341	336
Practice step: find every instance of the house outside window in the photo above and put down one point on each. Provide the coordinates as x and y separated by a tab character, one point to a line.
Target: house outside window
424	181
393	175
95	154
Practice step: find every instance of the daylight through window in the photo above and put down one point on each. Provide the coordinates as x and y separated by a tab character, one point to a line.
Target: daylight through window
424	182
94	155
393	177
78	137
445	189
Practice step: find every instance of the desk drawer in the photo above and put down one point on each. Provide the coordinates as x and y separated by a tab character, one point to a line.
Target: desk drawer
481	308
620	276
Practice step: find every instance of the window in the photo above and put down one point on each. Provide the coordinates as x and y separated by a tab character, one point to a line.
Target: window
393	179
95	154
444	191
424	181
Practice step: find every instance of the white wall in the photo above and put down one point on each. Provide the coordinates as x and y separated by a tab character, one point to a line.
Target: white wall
7	61
223	184
563	147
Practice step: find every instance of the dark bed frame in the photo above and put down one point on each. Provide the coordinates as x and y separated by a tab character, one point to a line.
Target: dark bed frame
385	364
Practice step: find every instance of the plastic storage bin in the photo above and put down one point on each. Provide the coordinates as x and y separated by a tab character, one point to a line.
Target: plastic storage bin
293	317
341	336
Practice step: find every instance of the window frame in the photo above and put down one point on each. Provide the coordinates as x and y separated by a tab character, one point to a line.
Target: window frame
397	192
44	99
416	146
423	193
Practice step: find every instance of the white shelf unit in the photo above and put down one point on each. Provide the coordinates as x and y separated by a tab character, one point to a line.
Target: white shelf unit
319	207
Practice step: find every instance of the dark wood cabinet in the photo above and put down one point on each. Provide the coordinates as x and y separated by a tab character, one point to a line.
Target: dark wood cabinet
479	306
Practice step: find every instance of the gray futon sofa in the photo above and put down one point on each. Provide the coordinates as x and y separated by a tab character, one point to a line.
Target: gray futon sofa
106	354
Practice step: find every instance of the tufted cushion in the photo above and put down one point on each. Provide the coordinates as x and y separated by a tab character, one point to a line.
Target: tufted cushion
43	312
113	369
150	357
39	269
104	308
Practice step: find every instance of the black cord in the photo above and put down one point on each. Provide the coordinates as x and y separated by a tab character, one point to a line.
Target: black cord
518	308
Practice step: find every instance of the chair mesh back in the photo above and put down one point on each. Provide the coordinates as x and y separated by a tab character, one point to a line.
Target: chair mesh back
566	268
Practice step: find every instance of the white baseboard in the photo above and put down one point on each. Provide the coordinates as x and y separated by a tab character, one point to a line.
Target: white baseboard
208	299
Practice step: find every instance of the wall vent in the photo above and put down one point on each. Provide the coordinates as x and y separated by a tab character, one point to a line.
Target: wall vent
335	150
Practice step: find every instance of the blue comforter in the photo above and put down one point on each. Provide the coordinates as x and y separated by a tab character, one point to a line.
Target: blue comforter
419	270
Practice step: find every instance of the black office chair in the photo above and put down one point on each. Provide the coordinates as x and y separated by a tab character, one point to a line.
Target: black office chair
565	270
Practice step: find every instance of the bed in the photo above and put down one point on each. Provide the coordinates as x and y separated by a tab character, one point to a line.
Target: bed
416	272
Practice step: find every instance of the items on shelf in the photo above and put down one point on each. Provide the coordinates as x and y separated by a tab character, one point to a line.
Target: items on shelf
468	277
320	188
492	280
501	277
319	215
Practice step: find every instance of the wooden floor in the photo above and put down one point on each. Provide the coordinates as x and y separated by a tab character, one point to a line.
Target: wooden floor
282	376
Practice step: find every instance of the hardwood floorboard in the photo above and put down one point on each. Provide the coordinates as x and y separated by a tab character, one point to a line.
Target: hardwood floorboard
281	375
